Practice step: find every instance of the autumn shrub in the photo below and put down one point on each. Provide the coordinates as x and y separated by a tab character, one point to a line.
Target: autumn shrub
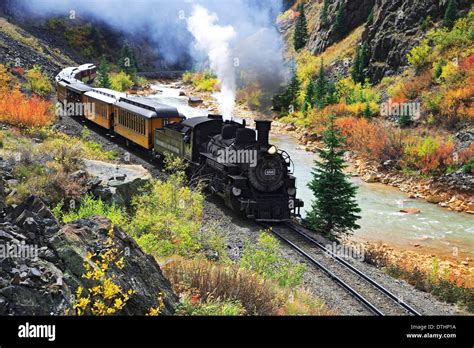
206	279
201	81
351	92
266	258
46	169
456	105
250	95
6	81
91	206
174	230
428	154
38	82
445	285
458	38
104	296
200	281
371	140
466	159
18	110
192	306
121	81
69	150
418	57
412	88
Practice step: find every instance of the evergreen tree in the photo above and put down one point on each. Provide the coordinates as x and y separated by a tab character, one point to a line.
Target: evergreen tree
404	119
309	96
320	88
451	14
370	17
288	99
300	36
103	72
127	61
359	64
339	26
324	13
367	111
334	209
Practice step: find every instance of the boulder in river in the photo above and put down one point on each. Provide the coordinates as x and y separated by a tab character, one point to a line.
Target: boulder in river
410	211
194	101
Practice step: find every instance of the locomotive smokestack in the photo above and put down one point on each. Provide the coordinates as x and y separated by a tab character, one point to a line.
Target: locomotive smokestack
263	129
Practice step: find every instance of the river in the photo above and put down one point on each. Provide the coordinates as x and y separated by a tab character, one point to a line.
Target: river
435	230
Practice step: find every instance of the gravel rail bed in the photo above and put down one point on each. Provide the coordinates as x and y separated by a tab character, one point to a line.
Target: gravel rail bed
381	301
238	230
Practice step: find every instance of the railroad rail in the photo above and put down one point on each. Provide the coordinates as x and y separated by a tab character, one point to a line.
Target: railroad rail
342	281
299	231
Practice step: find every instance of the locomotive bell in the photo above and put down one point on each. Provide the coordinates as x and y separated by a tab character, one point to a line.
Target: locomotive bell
263	129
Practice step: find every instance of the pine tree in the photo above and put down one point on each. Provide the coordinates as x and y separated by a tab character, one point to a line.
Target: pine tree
103	72
288	99
320	88
451	14
309	96
370	17
334	209
339	27
300	36
405	119
127	61
292	93
359	64
367	111
324	13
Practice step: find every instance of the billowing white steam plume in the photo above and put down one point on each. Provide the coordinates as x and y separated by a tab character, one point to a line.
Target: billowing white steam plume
215	40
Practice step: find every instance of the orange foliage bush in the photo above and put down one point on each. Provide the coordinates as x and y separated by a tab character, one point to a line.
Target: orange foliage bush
468	63
413	88
429	154
456	104
466	154
371	140
18	110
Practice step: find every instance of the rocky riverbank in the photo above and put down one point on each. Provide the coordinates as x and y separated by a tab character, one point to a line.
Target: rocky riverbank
454	191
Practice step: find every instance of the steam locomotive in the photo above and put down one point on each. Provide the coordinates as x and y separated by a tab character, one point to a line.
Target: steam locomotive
240	165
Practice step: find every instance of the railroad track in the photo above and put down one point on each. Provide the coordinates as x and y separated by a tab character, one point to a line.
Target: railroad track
363	289
372	295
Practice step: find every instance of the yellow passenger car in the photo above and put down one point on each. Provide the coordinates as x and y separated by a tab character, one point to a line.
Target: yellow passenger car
99	106
136	119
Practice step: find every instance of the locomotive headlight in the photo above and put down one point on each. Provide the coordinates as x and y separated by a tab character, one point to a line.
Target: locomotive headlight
236	191
291	191
272	150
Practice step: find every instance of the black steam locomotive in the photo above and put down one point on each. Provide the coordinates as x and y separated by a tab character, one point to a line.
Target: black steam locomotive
249	173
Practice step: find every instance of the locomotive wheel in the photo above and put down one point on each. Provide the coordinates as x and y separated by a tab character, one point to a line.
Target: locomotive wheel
268	174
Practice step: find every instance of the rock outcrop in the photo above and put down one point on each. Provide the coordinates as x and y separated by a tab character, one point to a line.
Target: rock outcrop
115	183
42	263
396	29
355	14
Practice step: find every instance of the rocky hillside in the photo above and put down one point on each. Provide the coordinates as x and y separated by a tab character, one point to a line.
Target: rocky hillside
43	265
22	49
390	28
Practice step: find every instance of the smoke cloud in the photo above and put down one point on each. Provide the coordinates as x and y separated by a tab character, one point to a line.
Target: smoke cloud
215	39
215	33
